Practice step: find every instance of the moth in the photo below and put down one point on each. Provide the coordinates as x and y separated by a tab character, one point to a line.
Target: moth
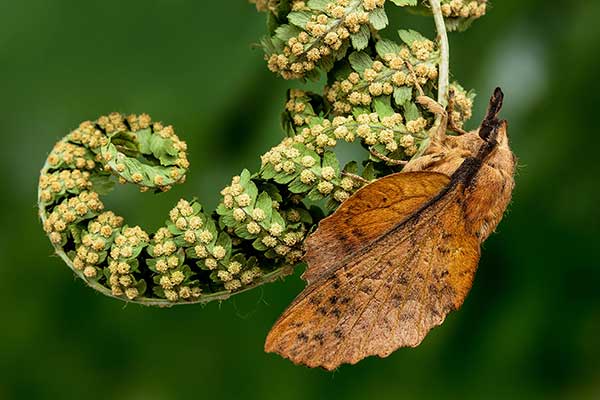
401	253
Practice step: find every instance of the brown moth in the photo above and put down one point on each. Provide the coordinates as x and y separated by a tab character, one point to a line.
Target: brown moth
401	253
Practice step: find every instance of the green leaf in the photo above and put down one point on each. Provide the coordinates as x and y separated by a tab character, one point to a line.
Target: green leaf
360	61
143	137
383	106
386	46
173	229
402	3
341	71
330	160
270	46
411	111
351	167
409	36
252	262
273	192
369	172
356	111
276	218
265	203
245	178
259	245
332	204
163	150
102	184
286	32
360	39
315	195
319	5
402	95
343	50
297	186
283	178
272	23
378	19
305	216
196	207
222	210
252	191
299	18
228	220
326	63
180	241
267	172
141	286
243	233
224	240
212	228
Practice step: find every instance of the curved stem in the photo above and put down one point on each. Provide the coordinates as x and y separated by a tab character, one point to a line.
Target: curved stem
272	276
444	78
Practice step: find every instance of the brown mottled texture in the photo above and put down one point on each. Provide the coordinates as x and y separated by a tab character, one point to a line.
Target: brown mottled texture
400	254
370	214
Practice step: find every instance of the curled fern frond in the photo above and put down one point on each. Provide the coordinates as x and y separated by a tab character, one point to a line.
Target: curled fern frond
256	234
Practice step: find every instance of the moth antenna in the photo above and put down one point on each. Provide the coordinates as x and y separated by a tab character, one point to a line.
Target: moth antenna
491	122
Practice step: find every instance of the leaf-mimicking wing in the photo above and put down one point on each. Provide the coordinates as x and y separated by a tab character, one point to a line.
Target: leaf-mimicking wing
396	258
373	211
388	294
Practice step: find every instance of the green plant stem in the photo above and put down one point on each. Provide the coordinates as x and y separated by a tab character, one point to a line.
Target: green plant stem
444	78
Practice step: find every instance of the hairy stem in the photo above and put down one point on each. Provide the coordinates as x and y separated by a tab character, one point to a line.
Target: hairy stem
444	78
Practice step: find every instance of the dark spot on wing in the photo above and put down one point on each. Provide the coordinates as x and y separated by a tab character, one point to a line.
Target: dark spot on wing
403	279
366	289
433	290
303	337
319	337
316	300
407	316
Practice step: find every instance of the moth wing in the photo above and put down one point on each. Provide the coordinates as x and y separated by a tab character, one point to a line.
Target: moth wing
368	214
386	295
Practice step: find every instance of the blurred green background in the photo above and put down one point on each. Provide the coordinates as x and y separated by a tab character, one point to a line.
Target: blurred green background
529	329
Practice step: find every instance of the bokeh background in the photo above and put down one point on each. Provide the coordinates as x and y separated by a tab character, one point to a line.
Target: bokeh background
529	329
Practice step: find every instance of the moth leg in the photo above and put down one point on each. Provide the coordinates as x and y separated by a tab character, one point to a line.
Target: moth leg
433	106
423	163
426	101
437	109
387	159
